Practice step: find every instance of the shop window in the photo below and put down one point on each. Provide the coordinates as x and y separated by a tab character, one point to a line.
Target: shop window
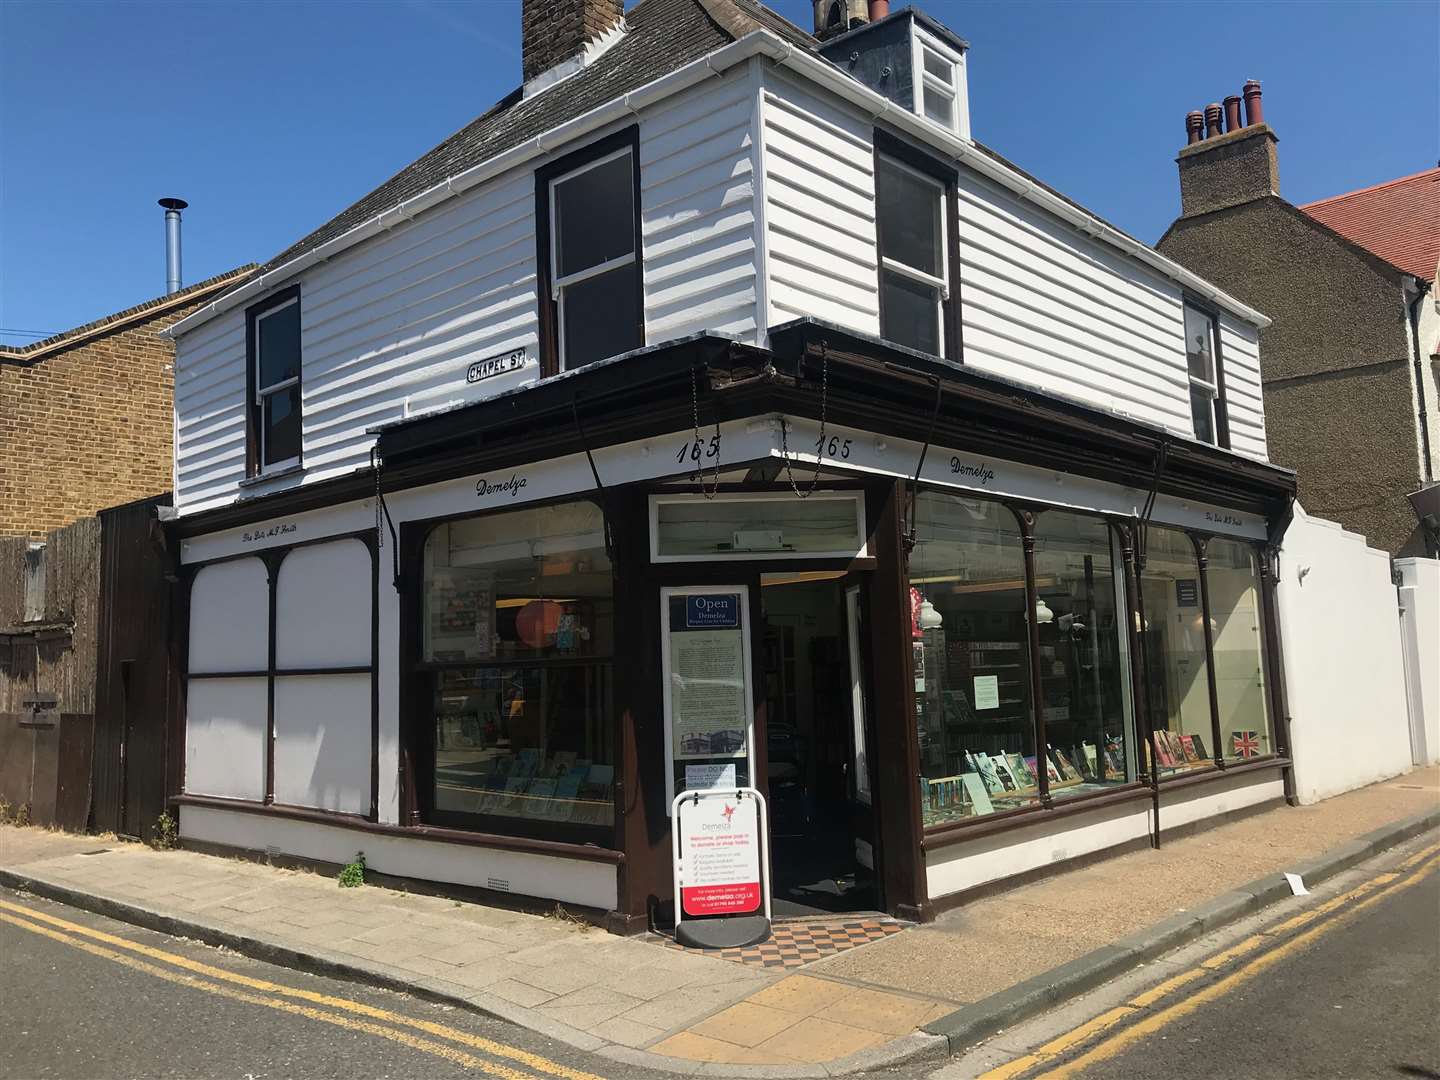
1084	682
1207	393
970	642
914	265
826	525
1174	662
593	257
274	378
1232	573
517	647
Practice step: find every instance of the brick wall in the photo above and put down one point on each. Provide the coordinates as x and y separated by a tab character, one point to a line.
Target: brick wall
555	30
89	425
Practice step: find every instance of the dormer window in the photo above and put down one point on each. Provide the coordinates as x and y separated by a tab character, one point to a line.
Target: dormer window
940	84
591	254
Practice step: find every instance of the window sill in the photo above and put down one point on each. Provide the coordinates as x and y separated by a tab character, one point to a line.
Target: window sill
274	474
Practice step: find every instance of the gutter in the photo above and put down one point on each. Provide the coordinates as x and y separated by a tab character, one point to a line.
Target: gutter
1422	288
760	43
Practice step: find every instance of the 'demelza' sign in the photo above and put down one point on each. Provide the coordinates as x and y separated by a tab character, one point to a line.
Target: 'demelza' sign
499	364
720	853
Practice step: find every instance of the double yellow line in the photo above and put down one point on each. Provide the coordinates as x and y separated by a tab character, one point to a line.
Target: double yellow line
1144	1019
340	1012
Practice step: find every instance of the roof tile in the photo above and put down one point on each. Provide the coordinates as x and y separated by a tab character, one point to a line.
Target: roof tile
1399	221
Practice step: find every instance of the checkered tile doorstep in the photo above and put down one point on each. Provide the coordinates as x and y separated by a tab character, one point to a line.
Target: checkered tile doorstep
795	944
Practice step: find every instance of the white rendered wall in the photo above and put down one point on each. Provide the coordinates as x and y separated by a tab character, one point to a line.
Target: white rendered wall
1344	671
574	881
1188	805
1420	598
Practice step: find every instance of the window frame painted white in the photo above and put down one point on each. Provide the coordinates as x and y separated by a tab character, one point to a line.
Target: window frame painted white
922	43
1210	388
262	391
911	273
559	283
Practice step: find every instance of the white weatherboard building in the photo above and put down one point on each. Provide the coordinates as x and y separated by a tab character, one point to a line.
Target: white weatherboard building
710	308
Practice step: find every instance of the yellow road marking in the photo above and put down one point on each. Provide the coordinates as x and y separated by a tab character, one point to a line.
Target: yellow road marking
1079	1035
449	1053
489	1046
1114	1044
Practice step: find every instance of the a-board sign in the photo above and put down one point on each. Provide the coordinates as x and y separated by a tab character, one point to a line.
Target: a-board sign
718	852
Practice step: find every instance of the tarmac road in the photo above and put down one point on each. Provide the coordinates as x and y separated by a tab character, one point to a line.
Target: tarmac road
92	1008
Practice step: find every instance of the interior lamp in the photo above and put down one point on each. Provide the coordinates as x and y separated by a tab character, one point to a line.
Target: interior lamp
930	619
1043	614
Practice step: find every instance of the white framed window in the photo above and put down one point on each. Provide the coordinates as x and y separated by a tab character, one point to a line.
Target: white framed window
1200	358
939	78
276	378
593	250
914	260
757	525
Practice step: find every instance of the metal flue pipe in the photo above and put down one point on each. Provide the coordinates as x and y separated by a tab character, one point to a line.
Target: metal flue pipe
172	242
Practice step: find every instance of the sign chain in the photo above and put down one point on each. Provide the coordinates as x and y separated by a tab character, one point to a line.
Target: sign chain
820	444
714	490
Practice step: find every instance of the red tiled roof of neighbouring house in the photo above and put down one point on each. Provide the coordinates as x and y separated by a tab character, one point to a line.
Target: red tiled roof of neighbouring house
1398	220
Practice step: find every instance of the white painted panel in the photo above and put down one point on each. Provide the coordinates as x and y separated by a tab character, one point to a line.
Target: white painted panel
572	881
697	219
819	196
210	413
1240	351
230	617
322	606
1420	630
322	742
1221	796
225	738
991	858
1344	668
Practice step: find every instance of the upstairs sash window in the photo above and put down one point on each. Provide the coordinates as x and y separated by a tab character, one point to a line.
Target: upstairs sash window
914	266
594	252
275	376
1207	409
937	83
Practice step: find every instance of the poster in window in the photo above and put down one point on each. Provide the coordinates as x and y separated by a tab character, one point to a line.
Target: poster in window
460	614
709	713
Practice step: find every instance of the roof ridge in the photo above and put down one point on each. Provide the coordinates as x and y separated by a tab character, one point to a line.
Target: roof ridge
1435	172
25	352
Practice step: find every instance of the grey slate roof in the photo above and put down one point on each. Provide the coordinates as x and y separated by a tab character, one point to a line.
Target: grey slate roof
662	36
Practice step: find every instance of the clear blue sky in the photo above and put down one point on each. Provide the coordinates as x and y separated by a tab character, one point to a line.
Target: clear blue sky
269	117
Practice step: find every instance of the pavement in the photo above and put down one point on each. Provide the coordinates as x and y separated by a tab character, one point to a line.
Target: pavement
922	992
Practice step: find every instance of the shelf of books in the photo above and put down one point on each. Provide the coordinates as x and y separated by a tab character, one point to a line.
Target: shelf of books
1178	753
526	784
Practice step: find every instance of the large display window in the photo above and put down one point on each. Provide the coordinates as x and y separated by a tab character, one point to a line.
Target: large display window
970	642
517	640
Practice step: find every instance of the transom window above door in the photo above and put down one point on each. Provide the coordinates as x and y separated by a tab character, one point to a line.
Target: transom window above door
593	257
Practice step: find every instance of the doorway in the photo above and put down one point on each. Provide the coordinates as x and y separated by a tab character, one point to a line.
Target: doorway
820	822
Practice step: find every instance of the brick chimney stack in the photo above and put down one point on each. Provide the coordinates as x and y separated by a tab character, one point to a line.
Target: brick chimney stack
1223	162
553	31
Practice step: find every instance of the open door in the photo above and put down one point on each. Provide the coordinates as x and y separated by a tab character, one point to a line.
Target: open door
862	816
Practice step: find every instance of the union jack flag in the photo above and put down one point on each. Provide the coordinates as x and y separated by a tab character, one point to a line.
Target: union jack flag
1246	744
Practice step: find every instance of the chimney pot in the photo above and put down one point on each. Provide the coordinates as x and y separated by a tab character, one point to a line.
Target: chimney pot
1254	111
879	9
1232	113
1194	127
1213	115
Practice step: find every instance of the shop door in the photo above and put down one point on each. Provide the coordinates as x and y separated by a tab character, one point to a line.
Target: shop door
816	761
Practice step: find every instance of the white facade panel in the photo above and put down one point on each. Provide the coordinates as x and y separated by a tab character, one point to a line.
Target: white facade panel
210	413
230	617
819	206
322	742
225	738
322	606
697	212
1245	403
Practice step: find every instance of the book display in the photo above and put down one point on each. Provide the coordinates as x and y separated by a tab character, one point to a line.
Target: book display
526	785
1177	753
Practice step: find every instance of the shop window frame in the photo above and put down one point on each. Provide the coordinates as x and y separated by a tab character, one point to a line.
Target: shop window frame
256	468
854	495
417	719
945	175
1127	533
551	331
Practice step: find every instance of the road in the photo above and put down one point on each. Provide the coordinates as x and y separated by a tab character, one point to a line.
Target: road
123	1002
1347	988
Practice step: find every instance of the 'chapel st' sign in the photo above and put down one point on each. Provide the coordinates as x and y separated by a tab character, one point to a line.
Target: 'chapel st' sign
499	364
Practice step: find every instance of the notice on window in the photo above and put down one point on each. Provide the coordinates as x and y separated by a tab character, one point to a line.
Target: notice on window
460	604
705	777
987	691
709	713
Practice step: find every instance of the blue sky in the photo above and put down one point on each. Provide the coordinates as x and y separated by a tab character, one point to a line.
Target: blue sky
271	116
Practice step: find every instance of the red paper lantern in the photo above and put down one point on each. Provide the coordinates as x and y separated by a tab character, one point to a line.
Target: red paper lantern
537	622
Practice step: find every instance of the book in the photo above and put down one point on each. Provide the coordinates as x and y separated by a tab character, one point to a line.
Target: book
979	798
1020	770
1002	770
1063	766
1162	750
1187	747
1199	747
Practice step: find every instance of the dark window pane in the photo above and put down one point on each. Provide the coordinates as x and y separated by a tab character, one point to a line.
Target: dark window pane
601	316
937	65
1202	413
1199	345
595	216
909	313
282	425
278	345
909	209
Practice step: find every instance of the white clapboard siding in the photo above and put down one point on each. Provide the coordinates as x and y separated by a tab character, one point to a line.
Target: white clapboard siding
819	209
1044	305
1240	352
210	413
697	212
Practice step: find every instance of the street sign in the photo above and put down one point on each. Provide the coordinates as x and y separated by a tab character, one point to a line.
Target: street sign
720	843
